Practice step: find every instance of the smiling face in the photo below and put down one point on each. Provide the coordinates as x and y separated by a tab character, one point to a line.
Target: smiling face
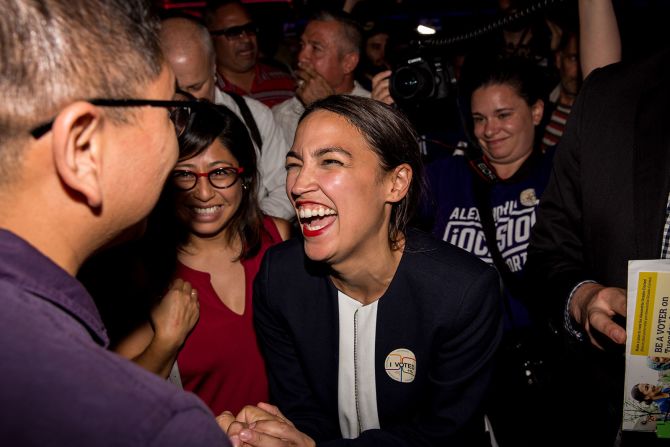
504	125
341	194
206	210
649	391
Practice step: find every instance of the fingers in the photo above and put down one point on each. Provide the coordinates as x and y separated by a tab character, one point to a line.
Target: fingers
602	322
176	314
603	306
259	439
225	419
380	87
250	414
311	85
275	433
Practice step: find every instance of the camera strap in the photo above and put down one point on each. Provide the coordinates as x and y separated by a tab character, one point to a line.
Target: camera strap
481	166
482	193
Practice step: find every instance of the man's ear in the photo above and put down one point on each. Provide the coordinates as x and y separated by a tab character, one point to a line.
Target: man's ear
401	179
350	62
77	150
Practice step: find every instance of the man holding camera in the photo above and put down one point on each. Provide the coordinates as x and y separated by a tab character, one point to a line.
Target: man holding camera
329	54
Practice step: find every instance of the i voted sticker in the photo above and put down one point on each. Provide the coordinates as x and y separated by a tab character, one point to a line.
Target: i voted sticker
400	365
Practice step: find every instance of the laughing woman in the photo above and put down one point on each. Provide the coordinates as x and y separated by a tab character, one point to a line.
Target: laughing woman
370	330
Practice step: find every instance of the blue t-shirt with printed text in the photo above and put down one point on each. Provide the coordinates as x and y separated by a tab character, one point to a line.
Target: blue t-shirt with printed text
455	217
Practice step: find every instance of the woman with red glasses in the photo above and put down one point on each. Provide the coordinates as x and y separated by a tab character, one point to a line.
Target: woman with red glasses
209	231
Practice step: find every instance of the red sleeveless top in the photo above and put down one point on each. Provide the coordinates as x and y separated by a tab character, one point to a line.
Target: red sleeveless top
220	360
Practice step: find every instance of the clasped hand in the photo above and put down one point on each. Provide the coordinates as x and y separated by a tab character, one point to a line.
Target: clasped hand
262	426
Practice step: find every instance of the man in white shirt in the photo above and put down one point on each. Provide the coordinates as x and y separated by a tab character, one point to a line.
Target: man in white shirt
188	48
329	54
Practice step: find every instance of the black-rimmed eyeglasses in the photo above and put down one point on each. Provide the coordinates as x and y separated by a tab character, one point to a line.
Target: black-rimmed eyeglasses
235	32
220	178
180	112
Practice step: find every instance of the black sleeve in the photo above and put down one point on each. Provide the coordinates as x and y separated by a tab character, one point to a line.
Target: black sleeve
556	261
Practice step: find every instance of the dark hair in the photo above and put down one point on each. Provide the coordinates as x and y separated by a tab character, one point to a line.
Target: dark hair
211	122
638	395
55	52
390	135
524	76
213	5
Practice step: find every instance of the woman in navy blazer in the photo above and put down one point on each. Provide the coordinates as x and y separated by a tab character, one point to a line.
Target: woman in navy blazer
373	334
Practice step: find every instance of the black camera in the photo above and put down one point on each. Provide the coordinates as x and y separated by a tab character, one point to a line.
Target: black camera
420	80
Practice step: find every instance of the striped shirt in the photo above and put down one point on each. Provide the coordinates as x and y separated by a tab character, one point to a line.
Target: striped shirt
556	125
271	85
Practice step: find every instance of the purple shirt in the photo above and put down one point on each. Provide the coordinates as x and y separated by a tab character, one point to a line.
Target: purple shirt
58	383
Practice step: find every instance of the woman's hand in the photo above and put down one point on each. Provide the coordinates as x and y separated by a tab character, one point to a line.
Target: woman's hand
264	426
174	317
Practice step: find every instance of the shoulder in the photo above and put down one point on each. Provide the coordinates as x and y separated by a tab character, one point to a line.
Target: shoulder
281	226
257	108
360	91
627	78
439	260
288	106
224	99
452	170
449	280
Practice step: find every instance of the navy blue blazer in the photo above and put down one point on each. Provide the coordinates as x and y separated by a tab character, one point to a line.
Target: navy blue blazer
443	305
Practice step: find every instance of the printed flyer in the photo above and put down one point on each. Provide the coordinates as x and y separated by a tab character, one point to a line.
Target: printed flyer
647	385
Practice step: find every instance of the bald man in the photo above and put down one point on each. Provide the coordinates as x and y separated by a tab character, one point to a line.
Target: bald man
189	51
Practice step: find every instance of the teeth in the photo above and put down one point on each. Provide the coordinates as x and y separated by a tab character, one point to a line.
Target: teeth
314	227
306	213
208	210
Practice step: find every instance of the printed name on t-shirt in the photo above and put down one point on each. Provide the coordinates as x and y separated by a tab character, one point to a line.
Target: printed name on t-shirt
513	224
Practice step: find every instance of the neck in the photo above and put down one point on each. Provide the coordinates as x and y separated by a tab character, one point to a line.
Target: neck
68	242
566	98
207	246
507	170
345	87
366	280
242	80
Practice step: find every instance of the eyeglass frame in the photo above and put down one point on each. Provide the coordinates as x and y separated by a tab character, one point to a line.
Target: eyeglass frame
237	169
235	32
42	129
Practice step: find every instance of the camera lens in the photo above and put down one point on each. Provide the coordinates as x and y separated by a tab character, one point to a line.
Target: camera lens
411	82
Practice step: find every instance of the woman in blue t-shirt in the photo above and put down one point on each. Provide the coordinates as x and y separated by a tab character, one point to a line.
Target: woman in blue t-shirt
492	188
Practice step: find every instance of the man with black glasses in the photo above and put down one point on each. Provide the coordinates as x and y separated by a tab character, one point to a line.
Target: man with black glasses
234	35
88	138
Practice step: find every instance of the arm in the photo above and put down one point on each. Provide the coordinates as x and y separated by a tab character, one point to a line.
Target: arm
600	43
272	196
289	387
557	251
154	346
